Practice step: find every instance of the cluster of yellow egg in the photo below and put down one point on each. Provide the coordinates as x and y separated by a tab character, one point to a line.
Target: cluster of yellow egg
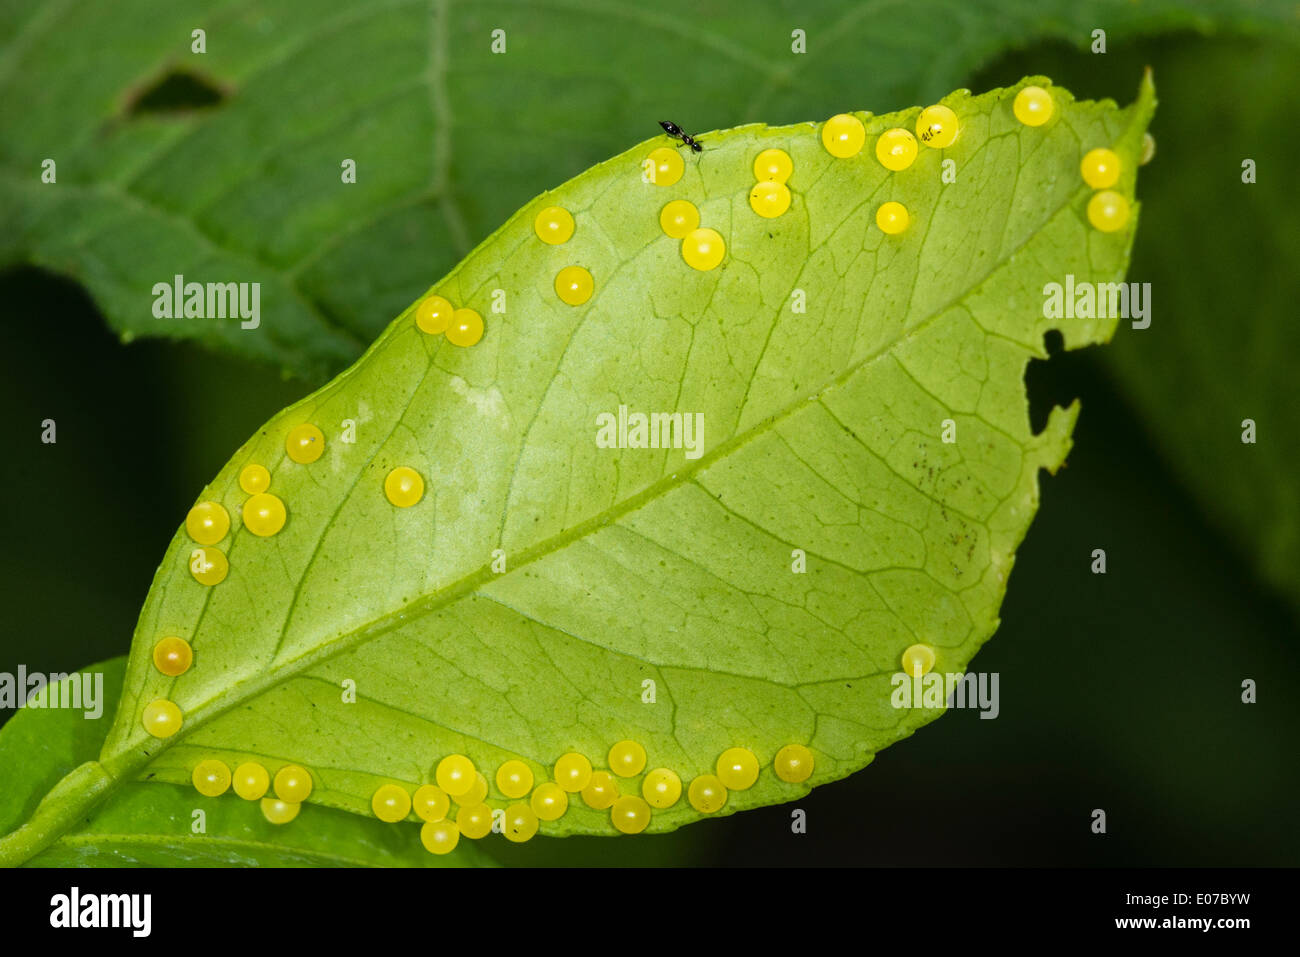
208	523
702	248
770	196
172	656
293	785
264	514
554	226
1108	210
436	316
844	136
458	781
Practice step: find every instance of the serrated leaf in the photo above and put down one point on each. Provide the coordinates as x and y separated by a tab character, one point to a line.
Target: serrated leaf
147	826
822	433
250	189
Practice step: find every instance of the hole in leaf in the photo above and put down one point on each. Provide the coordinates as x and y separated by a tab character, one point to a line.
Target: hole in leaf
1050	382
177	91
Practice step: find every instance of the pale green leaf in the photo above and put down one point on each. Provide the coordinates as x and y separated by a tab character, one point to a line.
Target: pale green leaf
147	826
822	433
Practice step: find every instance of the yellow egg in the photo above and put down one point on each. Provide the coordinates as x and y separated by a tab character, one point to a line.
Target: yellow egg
520	823
161	718
391	803
678	218
572	772
279	812
843	135
305	443
293	784
630	814
456	774
601	791
769	199
439	837
627	759
403	486
549	801
737	768
1148	149
703	249
1033	106
207	523
254	479
251	780
554	225
466	328
936	127
173	656
514	778
661	788
430	802
1100	168
264	514
211	777
896	149
663	167
918	660
1108	211
209	566
892	218
574	285
433	315
707	794
774	165
793	763
476	793
474	821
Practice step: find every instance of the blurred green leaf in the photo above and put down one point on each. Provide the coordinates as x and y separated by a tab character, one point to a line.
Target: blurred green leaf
1220	256
1224	341
448	137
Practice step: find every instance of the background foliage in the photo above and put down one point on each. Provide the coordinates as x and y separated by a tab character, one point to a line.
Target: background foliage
1119	692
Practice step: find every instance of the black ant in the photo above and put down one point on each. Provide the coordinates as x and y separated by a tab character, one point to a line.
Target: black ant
676	132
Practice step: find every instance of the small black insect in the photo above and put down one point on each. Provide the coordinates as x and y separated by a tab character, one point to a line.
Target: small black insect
676	132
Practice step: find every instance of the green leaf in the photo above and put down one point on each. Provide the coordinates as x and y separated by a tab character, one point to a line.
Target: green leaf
249	189
149	826
1224	347
822	433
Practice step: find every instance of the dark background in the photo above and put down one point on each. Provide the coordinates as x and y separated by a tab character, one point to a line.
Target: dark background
1119	691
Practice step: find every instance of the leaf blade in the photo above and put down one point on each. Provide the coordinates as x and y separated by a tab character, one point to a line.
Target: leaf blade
624	568
144	825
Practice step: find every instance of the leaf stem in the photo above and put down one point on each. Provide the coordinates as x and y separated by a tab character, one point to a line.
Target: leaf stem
76	794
